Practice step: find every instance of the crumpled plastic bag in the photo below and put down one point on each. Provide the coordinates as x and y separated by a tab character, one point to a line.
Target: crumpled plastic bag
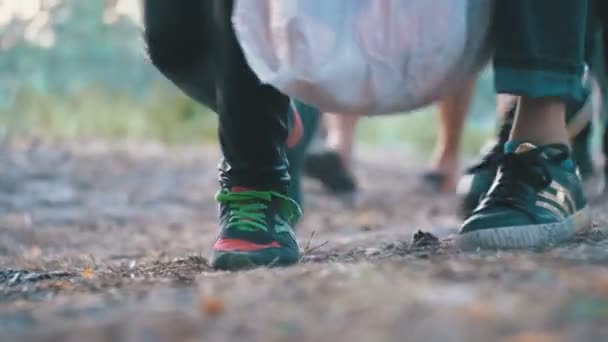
364	56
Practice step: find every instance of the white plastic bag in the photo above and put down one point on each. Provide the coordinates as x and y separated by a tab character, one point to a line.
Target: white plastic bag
364	56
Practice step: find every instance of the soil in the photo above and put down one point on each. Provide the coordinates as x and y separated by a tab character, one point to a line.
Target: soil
108	241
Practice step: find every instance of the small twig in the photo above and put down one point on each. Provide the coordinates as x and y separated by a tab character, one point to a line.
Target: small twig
112	269
315	248
308	249
149	268
93	261
274	262
312	235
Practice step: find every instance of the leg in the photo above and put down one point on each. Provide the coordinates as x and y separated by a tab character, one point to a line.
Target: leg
297	154
192	42
341	129
180	43
253	119
198	51
453	110
537	198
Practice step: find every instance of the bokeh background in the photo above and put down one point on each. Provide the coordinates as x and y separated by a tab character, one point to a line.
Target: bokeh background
77	68
108	239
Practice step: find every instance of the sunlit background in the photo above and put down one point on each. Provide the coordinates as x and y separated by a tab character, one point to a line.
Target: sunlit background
74	68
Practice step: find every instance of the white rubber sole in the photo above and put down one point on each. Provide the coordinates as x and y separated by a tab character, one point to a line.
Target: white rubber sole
531	236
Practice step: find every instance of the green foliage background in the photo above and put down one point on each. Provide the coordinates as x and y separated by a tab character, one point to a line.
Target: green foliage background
68	71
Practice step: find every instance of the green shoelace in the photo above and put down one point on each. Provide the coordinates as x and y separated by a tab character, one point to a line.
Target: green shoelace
248	208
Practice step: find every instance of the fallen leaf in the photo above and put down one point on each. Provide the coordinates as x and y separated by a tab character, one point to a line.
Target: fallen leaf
534	337
35	252
365	218
482	310
57	285
65	284
88	273
212	306
17	220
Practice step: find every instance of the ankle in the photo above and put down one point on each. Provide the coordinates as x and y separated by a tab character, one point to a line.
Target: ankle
541	121
445	163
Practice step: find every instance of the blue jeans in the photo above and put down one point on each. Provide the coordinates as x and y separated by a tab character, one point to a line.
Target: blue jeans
541	47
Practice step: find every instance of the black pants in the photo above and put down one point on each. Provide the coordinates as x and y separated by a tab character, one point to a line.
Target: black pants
193	44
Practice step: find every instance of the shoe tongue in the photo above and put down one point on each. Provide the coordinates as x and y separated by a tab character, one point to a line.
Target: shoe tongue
517	147
240	189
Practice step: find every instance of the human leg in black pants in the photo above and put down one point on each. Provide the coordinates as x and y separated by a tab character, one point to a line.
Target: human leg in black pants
193	44
537	197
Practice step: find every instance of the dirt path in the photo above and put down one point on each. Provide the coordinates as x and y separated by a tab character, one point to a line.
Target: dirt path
104	242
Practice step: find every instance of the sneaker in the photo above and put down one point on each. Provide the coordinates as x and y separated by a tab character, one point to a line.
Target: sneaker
536	200
327	167
478	178
581	152
256	230
436	181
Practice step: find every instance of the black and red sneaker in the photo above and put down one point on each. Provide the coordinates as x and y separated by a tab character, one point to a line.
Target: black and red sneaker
256	230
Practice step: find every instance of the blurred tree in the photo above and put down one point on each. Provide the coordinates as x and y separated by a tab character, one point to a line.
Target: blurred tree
74	48
61	47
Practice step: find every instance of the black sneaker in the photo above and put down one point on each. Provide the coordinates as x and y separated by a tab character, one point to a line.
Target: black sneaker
536	200
327	168
256	230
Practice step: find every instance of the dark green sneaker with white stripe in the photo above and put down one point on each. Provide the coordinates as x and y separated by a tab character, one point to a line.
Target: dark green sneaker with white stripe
536	200
478	178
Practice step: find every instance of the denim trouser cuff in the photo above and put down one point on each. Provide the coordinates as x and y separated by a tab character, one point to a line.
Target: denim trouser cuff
539	83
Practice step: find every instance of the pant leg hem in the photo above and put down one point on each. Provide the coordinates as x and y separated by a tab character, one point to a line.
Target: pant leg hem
539	83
